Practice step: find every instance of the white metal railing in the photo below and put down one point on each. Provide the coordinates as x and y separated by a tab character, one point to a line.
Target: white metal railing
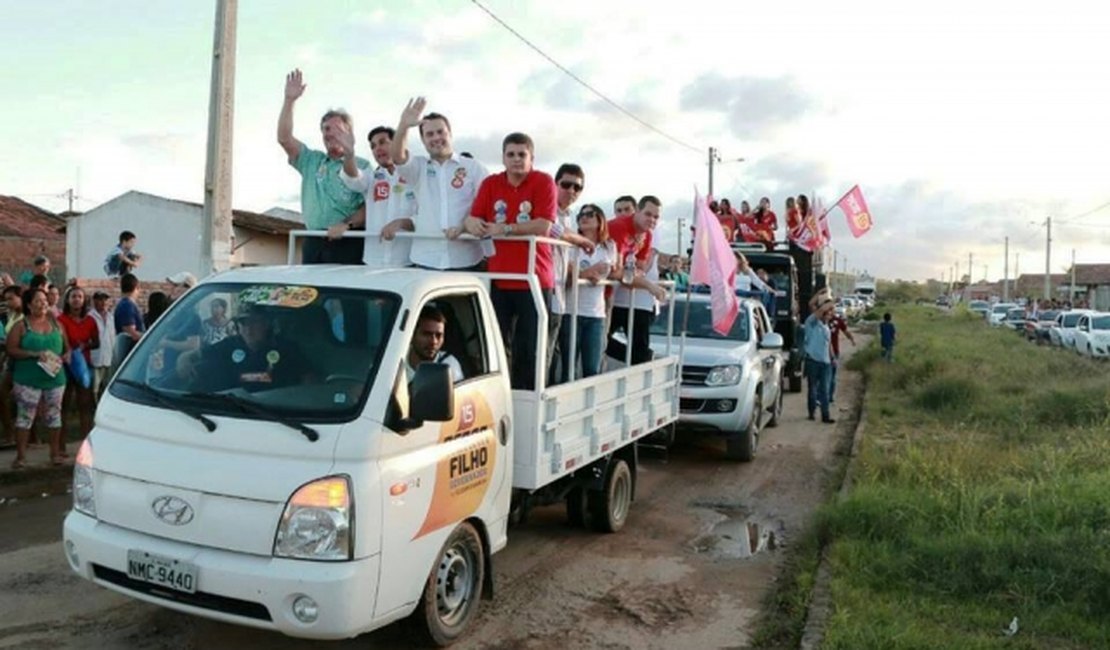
541	366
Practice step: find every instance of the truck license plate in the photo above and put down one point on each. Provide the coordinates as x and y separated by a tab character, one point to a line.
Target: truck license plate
161	570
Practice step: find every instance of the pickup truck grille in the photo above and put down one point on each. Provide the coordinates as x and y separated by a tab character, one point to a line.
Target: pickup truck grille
694	375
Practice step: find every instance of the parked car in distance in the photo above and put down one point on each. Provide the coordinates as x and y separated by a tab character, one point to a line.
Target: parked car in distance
1036	329
998	313
981	307
942	301
1063	334
1015	319
1092	335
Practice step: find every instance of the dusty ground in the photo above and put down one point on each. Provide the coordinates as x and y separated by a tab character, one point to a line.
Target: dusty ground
681	574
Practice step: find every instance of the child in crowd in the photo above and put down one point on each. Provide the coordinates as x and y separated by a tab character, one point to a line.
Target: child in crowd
887	337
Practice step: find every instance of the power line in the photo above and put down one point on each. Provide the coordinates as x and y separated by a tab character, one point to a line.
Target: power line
1086	214
586	85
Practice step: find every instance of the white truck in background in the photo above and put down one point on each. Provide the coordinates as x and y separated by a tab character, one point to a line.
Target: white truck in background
299	482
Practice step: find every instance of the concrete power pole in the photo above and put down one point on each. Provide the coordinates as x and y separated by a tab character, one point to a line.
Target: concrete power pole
1048	260
1071	291
712	157
217	234
970	273
1006	273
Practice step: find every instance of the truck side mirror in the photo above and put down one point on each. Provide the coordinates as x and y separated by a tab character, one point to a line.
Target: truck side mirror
431	398
771	341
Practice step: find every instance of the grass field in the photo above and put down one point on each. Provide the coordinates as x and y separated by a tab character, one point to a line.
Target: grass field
981	494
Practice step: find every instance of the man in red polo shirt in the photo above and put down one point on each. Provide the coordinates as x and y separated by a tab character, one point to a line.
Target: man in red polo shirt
632	236
519	201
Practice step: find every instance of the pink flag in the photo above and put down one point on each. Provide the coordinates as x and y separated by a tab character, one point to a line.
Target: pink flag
814	234
855	208
714	264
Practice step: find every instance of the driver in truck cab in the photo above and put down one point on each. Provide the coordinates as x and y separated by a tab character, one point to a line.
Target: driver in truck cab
427	342
254	359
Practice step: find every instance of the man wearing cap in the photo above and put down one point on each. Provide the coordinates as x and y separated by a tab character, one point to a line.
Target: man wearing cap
325	201
253	359
106	327
818	359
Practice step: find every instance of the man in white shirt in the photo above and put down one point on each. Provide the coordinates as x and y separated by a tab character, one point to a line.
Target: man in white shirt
569	182
427	340
390	201
445	185
102	355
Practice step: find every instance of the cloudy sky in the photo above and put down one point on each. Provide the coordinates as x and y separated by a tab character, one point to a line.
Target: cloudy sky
963	122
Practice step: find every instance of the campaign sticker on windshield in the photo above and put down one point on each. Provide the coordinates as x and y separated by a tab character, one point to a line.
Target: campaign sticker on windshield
278	296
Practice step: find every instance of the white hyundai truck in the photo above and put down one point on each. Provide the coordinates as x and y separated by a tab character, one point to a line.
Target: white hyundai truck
286	474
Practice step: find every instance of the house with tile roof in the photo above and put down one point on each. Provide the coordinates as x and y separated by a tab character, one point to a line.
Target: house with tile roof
27	231
169	233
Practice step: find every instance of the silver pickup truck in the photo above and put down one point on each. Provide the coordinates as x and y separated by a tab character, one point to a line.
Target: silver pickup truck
731	384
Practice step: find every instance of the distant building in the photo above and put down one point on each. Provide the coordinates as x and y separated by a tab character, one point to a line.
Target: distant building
169	235
1092	283
27	231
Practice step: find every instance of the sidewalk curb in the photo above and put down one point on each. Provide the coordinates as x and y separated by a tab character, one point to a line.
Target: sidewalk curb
820	602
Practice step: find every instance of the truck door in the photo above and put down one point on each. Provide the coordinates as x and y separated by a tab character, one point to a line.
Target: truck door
770	360
442	473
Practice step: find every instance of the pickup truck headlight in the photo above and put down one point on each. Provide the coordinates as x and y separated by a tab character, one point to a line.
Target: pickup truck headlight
316	524
84	497
723	376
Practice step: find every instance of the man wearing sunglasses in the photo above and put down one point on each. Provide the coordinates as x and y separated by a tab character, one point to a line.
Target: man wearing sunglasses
569	181
519	201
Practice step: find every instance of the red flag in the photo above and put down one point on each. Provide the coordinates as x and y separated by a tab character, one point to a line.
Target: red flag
855	208
713	263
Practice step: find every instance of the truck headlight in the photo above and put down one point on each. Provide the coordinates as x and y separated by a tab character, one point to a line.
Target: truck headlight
723	376
316	524
84	497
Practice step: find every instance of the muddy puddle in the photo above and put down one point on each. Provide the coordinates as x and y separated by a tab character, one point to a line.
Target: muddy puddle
732	533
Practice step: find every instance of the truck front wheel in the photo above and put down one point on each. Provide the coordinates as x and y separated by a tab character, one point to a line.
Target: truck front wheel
609	508
454	587
741	445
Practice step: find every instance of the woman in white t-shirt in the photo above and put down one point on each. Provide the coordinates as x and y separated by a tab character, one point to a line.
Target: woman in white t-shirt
593	268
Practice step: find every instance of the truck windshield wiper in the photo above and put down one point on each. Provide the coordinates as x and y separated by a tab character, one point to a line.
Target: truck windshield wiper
165	400
248	406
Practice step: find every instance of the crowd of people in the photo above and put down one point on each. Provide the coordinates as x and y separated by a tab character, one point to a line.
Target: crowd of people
457	208
759	226
58	350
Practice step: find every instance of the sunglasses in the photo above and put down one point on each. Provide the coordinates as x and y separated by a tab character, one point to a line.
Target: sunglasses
568	185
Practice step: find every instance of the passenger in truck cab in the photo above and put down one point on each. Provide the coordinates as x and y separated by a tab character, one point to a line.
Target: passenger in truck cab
427	344
254	359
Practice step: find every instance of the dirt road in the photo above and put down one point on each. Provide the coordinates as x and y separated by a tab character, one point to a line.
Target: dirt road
682	573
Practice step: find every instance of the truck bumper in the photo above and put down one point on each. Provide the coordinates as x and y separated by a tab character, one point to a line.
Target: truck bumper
232	587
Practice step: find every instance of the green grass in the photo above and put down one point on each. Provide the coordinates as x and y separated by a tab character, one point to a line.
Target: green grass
981	493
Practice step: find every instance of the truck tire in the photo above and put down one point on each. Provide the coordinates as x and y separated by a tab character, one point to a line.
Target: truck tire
609	507
576	507
776	412
454	587
742	447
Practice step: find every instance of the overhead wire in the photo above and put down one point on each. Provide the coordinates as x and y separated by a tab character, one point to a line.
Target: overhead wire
586	84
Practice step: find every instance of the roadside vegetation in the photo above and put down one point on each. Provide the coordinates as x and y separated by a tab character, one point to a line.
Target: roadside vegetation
981	494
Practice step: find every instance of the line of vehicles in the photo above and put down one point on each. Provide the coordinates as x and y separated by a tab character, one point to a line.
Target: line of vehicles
1083	331
305	478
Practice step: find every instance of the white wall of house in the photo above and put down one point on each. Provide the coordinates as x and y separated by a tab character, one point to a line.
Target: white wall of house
253	248
169	234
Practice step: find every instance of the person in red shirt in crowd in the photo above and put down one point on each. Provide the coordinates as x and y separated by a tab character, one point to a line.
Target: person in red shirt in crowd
766	222
632	236
727	216
519	201
84	336
793	220
837	324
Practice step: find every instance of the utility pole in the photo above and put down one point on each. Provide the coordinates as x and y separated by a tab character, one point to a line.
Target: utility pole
216	237
986	278
681	223
69	195
1006	273
970	273
1048	260
1071	293
712	157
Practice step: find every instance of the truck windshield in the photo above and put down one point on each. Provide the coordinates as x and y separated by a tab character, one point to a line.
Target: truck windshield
700	325
301	352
